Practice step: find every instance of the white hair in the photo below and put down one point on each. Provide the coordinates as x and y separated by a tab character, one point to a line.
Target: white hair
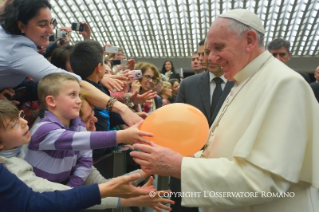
240	29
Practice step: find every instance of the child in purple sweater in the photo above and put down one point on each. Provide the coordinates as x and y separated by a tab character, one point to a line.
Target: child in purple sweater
60	149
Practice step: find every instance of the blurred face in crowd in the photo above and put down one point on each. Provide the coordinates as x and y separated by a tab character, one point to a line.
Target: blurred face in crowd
168	92
168	66
175	88
212	67
195	61
202	62
87	116
118	56
107	69
281	54
148	80
38	28
103	69
317	74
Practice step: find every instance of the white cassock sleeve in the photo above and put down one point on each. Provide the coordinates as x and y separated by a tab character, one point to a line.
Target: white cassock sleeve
237	176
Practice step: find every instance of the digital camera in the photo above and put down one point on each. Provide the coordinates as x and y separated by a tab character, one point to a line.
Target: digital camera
77	27
111	49
137	74
61	34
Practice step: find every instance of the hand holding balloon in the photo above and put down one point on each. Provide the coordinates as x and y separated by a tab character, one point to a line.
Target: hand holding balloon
180	127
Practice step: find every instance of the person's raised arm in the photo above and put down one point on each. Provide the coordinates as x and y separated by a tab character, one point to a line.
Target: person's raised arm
99	99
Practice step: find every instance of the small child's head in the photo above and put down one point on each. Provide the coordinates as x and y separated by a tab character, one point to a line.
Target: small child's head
59	93
14	130
87	58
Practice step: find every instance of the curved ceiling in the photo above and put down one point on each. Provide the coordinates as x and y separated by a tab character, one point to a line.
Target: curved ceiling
173	28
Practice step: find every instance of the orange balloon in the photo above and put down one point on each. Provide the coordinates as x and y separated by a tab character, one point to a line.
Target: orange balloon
178	126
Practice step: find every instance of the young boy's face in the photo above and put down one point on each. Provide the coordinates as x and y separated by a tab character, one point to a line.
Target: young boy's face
68	102
102	70
16	133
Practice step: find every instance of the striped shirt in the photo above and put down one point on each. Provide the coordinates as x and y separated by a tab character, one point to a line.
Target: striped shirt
58	153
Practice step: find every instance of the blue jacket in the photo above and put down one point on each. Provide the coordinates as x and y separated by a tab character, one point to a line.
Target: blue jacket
17	196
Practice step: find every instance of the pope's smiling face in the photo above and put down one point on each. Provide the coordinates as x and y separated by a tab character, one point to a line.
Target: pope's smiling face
226	48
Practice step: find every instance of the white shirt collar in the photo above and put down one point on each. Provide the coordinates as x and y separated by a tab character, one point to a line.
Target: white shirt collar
212	76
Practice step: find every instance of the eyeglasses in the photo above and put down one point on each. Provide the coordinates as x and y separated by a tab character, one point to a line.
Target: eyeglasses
148	77
16	122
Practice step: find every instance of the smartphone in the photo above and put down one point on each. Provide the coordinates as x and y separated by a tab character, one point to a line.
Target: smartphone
116	62
124	62
19	94
111	49
137	74
77	27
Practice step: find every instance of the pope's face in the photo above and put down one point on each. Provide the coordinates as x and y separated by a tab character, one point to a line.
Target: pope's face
226	48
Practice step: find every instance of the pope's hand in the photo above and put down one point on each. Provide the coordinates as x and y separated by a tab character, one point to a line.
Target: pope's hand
158	160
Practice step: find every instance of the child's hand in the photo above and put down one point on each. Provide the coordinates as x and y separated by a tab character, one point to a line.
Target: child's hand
149	183
153	200
132	135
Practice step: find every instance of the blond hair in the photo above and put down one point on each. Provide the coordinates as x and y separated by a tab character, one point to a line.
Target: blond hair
50	85
8	113
166	85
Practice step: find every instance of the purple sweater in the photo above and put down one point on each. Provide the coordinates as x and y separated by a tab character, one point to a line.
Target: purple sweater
58	153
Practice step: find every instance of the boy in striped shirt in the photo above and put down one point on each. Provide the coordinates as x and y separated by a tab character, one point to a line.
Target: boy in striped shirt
60	147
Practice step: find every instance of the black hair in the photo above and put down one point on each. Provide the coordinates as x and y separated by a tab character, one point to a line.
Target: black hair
202	42
278	43
85	56
163	71
61	55
173	80
20	10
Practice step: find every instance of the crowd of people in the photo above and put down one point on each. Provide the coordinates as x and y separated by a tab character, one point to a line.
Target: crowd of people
79	104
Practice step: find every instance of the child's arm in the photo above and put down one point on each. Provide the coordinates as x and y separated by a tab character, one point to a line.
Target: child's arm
50	136
82	170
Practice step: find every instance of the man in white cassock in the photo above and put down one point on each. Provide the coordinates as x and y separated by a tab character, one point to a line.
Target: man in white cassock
263	145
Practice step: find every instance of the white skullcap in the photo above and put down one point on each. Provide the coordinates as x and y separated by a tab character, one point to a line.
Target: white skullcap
245	17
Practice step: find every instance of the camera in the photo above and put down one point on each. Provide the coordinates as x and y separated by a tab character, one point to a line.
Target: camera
19	94
116	62
137	74
124	62
61	34
111	49
77	27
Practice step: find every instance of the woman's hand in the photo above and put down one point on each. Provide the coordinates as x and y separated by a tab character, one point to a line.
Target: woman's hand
136	85
112	84
10	92
86	31
141	99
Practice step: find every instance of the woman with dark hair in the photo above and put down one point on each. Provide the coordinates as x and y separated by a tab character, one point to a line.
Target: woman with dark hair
26	24
175	87
150	79
169	71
